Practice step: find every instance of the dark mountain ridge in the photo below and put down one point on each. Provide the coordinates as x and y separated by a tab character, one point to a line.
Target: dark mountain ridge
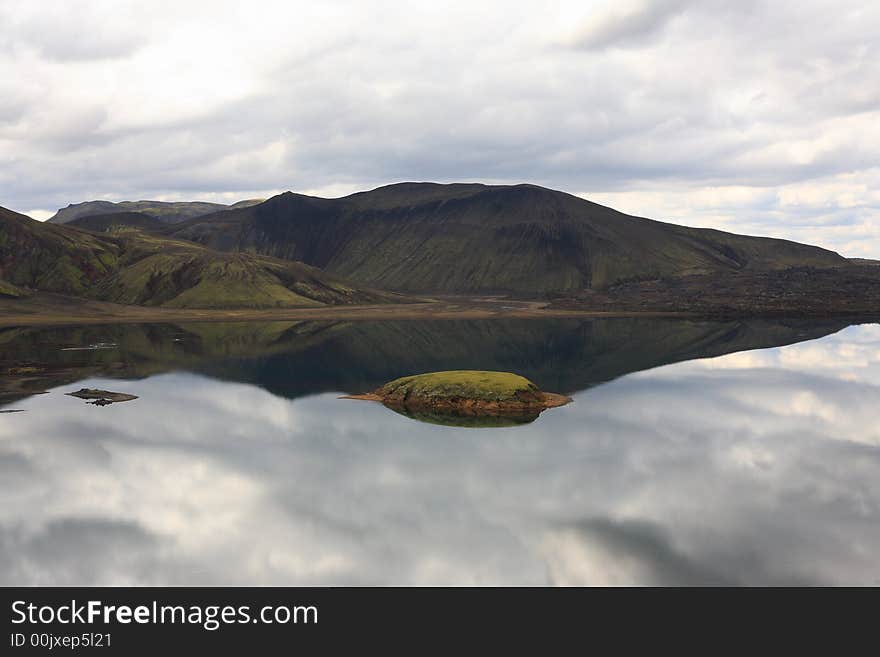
165	211
472	238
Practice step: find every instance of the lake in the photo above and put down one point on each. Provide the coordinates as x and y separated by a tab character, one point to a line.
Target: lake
740	452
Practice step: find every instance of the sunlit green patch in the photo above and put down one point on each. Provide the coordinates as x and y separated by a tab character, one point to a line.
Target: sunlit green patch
462	384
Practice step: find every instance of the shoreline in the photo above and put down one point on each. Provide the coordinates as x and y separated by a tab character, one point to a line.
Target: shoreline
56	310
104	313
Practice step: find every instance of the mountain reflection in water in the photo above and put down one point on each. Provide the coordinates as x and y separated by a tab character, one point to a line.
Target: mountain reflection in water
292	359
238	465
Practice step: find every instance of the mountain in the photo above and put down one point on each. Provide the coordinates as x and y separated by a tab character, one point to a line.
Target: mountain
41	256
106	223
133	267
10	291
474	238
167	212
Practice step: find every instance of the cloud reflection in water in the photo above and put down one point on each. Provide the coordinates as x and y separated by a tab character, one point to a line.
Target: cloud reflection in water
752	468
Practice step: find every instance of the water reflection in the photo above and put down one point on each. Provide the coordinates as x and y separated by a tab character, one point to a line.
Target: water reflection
753	468
451	418
292	359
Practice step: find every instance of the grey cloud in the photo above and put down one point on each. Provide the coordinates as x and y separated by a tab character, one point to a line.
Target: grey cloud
14	469
72	550
653	559
12	109
73	32
630	24
85	48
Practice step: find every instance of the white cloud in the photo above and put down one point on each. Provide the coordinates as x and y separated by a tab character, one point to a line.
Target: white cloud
628	23
754	117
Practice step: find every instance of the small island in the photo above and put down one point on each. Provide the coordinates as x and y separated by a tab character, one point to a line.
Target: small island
465	393
101	397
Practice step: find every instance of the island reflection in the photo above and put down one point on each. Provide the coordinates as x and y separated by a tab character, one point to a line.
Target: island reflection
450	418
753	468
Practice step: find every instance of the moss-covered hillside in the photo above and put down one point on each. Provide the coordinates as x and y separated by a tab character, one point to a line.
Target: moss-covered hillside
53	258
131	266
8	290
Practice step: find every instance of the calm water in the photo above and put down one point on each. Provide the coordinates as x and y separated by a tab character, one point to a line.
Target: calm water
683	460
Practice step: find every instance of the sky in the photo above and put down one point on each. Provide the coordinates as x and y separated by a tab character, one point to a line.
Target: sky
753	117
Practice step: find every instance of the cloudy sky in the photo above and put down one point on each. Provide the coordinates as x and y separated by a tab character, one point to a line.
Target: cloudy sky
759	117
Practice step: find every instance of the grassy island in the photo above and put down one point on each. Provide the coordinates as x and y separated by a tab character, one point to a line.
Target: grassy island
466	392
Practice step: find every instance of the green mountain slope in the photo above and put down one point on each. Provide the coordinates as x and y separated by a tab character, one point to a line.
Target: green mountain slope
53	258
106	223
471	238
168	212
134	267
10	291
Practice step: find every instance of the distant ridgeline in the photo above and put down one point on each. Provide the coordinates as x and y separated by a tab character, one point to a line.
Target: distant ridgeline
415	238
164	211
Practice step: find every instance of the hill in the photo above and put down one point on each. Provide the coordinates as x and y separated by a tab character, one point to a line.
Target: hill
167	212
130	266
105	223
10	291
795	292
473	238
41	256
